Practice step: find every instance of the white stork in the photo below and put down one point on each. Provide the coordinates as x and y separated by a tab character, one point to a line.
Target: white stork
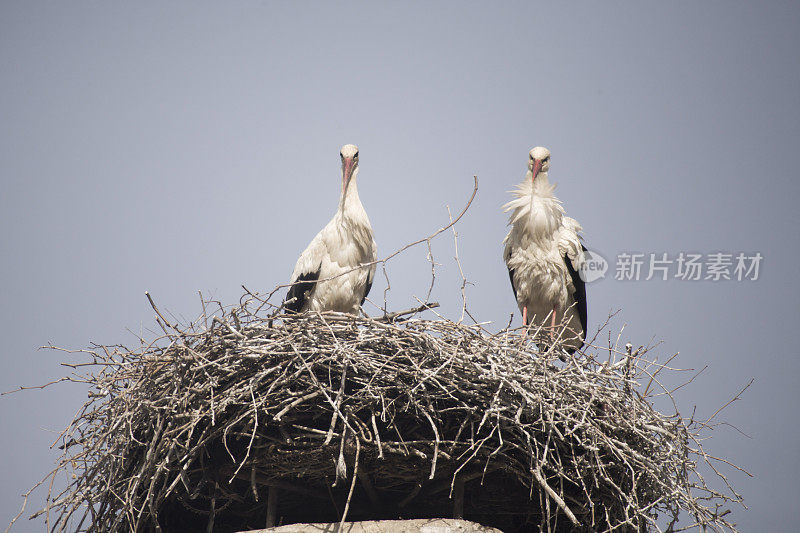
544	254
335	254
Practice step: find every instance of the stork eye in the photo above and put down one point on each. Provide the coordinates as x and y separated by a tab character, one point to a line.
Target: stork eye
355	156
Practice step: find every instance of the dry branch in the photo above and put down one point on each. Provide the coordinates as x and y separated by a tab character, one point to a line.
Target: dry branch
202	426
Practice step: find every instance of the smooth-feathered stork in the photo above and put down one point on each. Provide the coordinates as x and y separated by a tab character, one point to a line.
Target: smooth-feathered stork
544	255
335	254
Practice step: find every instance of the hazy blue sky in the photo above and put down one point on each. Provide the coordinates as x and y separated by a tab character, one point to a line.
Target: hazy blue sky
184	146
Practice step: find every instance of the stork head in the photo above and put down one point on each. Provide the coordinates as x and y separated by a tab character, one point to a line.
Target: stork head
349	155
539	161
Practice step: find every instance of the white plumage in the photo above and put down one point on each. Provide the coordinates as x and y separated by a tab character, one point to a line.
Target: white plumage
544	254
334	255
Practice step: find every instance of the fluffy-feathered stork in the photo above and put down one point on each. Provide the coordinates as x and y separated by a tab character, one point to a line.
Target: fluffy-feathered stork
336	252
544	254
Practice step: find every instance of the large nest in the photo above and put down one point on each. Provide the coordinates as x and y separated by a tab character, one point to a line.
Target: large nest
374	418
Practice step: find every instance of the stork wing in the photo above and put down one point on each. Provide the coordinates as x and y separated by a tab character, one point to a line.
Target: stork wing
371	274
572	248
506	258
511	277
301	290
580	289
368	287
305	276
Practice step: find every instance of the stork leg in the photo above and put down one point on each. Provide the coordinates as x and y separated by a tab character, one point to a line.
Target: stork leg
525	322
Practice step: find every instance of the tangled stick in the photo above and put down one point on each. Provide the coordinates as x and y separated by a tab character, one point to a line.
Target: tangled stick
200	424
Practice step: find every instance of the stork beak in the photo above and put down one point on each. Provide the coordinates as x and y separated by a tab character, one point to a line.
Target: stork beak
537	166
347	171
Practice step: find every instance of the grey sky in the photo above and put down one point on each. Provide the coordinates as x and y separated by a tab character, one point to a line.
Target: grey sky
179	146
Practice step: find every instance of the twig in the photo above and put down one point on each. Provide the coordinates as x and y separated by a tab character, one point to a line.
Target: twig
390	317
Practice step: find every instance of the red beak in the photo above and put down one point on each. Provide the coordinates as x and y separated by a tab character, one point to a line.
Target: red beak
347	171
537	166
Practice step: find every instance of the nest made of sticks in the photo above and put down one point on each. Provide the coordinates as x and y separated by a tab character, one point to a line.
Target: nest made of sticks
367	418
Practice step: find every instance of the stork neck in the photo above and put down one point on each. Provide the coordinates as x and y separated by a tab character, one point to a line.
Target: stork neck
540	186
544	210
349	199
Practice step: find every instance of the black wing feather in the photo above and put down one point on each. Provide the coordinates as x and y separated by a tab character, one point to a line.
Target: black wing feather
367	289
580	290
511	277
301	290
